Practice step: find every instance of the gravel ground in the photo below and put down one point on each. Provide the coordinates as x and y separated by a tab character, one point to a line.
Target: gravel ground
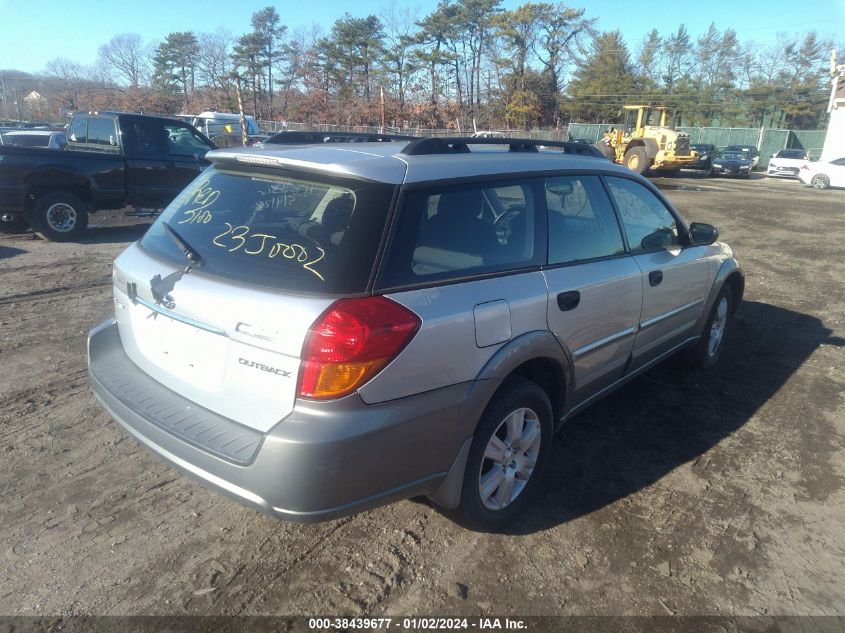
717	492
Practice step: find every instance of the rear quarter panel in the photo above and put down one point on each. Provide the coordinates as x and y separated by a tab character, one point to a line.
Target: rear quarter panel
446	351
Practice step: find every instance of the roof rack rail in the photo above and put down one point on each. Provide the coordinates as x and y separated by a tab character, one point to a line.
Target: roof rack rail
306	138
460	145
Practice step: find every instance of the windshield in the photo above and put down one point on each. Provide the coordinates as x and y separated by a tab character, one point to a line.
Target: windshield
791	153
735	155
294	231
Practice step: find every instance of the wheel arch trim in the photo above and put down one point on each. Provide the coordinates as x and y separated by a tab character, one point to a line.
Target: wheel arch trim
729	272
536	345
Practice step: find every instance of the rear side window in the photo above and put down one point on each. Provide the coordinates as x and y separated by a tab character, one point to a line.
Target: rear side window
582	224
648	223
78	130
294	232
450	232
102	132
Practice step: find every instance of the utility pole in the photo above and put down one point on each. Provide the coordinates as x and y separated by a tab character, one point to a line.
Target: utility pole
241	109
3	93
381	106
835	72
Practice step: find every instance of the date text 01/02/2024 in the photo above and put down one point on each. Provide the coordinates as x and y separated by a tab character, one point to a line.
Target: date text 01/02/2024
417	623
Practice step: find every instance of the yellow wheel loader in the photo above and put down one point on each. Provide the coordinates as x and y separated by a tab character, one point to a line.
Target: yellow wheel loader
646	142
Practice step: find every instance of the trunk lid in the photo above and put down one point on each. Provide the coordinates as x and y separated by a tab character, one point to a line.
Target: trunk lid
227	347
271	251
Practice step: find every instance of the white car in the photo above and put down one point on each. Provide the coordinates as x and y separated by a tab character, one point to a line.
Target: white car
787	162
823	174
488	134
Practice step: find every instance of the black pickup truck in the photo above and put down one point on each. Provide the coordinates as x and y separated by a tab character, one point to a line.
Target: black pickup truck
112	160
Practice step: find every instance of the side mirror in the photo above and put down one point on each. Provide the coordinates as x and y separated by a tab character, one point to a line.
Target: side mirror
701	234
660	239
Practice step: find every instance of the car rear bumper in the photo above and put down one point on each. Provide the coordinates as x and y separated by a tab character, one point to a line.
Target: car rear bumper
323	461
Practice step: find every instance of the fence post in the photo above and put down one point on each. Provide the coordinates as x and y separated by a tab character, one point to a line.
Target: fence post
760	138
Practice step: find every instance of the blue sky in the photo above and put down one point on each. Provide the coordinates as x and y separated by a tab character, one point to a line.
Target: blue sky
33	33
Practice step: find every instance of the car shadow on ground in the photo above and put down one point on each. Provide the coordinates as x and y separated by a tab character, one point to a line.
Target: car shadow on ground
670	415
7	252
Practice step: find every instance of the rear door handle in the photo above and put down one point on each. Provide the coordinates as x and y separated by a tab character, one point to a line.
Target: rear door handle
655	277
568	300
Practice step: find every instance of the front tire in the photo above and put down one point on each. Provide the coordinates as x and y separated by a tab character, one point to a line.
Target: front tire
820	181
636	159
59	217
510	450
708	350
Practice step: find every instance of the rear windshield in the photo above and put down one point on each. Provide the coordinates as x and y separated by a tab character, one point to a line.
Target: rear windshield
294	231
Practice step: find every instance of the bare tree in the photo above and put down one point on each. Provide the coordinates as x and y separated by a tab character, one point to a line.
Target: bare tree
125	57
214	65
68	79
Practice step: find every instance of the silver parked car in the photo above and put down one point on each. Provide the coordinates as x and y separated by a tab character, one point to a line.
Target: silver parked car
318	330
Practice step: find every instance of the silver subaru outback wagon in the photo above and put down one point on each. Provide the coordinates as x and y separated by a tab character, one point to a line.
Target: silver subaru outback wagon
318	330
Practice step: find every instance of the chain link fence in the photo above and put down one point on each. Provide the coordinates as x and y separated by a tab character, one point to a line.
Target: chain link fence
271	127
767	141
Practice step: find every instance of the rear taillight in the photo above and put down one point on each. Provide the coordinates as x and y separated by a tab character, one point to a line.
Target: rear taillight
350	343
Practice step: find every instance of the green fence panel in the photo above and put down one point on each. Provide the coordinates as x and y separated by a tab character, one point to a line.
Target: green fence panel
743	136
718	136
770	142
590	131
810	140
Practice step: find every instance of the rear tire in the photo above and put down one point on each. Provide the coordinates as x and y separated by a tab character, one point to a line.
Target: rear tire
16	226
709	348
59	217
636	159
510	450
820	181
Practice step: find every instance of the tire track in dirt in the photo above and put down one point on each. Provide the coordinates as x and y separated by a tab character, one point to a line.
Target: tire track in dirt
56	292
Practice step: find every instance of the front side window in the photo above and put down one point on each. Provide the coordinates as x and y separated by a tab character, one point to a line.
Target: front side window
582	224
449	232
290	231
648	223
182	141
143	138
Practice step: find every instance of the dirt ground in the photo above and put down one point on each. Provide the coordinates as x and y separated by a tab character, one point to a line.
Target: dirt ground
717	492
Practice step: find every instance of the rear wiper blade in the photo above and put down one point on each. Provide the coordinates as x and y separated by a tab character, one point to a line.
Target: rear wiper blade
190	252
